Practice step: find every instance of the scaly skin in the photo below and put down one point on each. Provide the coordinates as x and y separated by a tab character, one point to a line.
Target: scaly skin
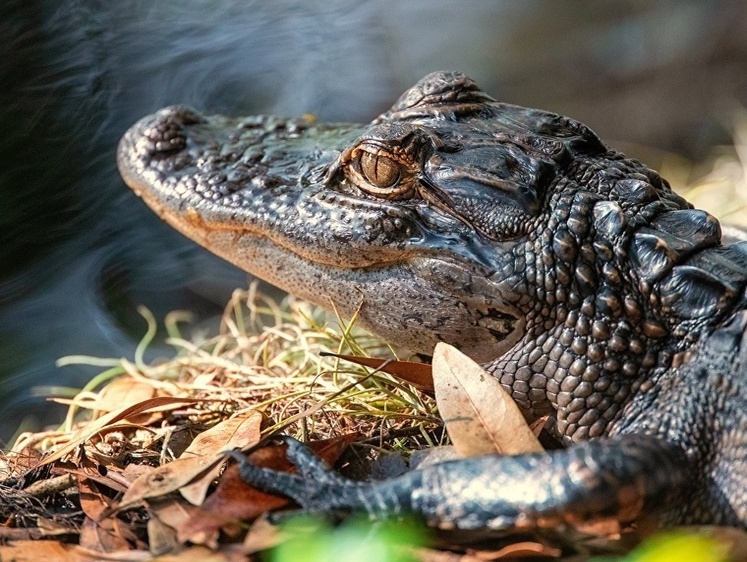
575	275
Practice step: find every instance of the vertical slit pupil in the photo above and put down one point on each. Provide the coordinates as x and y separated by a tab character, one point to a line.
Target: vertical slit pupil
379	170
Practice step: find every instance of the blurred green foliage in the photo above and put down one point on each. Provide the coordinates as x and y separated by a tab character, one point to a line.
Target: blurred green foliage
314	540
676	547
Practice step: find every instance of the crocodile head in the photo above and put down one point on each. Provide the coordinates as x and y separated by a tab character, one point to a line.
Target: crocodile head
451	217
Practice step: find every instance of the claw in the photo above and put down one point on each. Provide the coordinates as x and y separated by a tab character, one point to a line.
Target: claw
266	479
315	488
308	464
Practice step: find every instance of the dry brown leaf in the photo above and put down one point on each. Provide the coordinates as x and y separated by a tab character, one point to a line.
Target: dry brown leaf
224	508
92	501
195	491
105	536
161	537
168	478
34	551
130	390
433	555
609	528
538	425
417	374
107	481
235	500
132	472
176	513
94	427
119	556
123	390
102	535
262	535
203	554
15	463
240	430
480	416
165	518
173	512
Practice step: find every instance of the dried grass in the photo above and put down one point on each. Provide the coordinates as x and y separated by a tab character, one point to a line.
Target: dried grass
267	356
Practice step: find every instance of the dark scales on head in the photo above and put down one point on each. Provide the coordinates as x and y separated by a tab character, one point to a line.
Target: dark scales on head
576	275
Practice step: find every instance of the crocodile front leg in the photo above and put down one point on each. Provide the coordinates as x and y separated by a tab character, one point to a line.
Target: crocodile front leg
618	478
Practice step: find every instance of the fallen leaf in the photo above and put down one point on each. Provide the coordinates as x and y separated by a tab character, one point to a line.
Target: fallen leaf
432	555
96	426
417	374
195	491
15	463
161	537
167	478
123	390
120	556
202	554
241	430
34	551
92	501
98	533
538	425
105	536
479	414
166	516
173	512
117	486
601	527
134	471
234	500
261	536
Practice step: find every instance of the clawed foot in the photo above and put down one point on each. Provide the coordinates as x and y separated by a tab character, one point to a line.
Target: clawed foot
315	487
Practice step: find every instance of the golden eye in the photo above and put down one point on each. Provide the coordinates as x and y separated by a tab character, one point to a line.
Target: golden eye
376	172
379	170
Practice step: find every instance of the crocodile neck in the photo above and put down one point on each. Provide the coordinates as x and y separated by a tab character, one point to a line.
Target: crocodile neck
620	293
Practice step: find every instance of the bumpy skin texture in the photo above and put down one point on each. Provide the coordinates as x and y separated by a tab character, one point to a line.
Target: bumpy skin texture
575	275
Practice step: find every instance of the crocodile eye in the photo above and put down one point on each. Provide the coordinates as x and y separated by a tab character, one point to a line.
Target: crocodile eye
376	172
379	170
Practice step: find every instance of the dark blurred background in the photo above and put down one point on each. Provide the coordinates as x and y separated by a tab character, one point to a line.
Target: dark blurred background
78	251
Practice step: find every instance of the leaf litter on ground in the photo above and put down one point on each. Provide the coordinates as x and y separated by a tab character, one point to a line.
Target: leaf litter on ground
154	435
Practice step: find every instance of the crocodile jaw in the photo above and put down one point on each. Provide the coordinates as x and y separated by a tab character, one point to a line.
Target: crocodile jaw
268	211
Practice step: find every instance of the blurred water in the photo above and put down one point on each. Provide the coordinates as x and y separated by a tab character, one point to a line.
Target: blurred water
78	251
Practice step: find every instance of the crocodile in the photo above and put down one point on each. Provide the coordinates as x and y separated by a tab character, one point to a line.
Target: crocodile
575	275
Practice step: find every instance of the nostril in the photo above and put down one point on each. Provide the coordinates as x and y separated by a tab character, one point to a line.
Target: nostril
166	136
183	114
166	130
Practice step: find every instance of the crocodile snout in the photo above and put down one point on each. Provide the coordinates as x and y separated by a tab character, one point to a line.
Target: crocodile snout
157	144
